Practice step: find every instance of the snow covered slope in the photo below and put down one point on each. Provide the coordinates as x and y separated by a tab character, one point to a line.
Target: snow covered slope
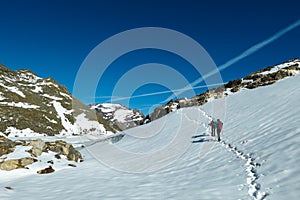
265	122
257	159
266	76
30	105
118	116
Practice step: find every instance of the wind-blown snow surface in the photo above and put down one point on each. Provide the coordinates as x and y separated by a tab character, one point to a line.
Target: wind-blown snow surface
261	140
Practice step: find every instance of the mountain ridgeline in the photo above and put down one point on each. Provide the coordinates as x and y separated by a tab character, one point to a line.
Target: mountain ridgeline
266	76
118	116
32	105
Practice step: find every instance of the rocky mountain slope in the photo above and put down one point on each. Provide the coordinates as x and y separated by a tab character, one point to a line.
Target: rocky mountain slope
30	105
118	116
266	76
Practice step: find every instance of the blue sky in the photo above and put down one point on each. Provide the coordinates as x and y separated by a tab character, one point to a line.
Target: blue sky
52	38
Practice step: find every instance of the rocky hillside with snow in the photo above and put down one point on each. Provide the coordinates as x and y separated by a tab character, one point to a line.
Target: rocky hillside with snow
118	116
30	105
266	76
258	157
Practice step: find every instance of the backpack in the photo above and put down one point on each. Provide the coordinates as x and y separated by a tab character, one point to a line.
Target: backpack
220	125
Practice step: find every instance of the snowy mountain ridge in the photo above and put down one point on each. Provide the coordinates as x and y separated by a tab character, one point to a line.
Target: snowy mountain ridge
33	106
118	116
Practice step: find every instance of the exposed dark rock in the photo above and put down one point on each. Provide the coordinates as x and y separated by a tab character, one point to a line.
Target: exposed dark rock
293	67
235	89
57	156
6	145
233	84
159	112
50	162
252	85
202	98
253	76
46	170
63	148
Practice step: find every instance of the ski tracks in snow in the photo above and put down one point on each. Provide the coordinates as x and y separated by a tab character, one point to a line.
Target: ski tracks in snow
250	166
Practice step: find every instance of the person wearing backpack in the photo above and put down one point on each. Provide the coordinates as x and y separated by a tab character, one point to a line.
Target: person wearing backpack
219	129
213	125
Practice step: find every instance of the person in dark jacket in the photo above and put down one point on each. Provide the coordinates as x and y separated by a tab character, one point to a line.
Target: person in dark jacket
219	129
213	125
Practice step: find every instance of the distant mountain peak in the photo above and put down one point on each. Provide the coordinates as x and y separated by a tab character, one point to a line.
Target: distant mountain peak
119	117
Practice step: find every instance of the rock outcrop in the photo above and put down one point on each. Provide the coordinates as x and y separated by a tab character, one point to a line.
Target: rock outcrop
47	170
38	147
63	148
6	146
12	164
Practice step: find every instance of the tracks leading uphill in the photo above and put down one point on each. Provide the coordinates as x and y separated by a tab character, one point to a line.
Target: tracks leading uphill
251	170
254	188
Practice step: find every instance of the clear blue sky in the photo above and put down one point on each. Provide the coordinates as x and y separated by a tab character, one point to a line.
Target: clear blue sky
52	37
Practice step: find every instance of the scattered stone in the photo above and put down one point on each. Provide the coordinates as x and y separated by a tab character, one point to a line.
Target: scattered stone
63	148
72	165
57	156
50	162
47	170
12	164
37	147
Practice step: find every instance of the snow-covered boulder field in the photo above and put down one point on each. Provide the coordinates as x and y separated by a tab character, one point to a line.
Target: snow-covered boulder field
20	154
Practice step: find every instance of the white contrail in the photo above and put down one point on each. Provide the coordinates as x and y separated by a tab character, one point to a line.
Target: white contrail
157	93
249	51
241	56
229	63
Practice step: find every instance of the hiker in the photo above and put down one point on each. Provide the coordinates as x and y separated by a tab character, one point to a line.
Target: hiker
213	125
219	129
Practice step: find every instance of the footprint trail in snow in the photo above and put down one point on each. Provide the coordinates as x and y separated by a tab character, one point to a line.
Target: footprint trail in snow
250	166
252	175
